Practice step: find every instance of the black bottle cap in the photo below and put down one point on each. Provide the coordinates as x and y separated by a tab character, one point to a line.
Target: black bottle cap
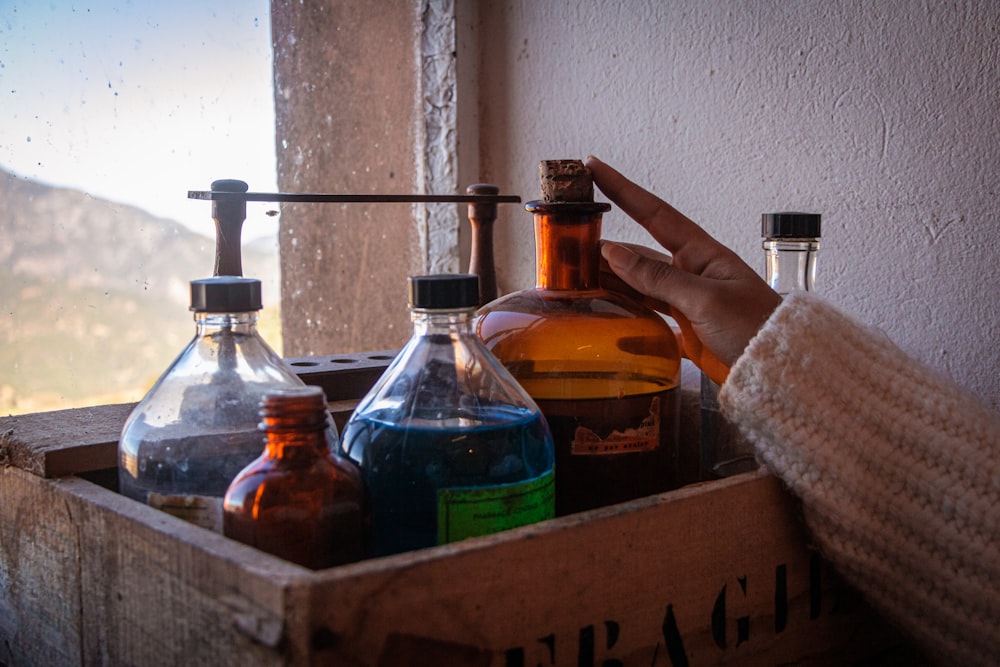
790	225
229	185
444	291
225	294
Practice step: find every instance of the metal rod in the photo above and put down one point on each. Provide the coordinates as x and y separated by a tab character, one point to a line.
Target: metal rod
215	195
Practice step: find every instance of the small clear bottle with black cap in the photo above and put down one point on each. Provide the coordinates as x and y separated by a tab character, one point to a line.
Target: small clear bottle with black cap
450	446
196	428
791	249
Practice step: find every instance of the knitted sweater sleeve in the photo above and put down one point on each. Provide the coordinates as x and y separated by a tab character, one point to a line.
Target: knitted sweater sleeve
897	468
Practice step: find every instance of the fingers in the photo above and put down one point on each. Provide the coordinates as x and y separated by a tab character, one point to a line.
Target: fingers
652	279
612	281
666	224
718	301
647	252
650	273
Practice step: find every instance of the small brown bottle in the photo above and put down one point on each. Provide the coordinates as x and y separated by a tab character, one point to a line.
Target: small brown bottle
300	500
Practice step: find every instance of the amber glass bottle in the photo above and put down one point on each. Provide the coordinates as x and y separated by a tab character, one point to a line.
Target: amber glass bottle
604	369
300	500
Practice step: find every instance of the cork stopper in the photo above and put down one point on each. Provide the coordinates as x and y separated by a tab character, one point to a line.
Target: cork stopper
566	181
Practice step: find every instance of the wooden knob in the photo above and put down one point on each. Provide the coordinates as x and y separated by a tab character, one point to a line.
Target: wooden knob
229	215
482	215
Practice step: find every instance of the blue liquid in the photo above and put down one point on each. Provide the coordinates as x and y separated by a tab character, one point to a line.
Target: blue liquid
405	464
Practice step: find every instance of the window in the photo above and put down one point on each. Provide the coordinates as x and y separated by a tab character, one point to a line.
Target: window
109	113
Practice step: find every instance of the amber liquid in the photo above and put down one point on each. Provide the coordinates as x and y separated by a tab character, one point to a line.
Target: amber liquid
605	375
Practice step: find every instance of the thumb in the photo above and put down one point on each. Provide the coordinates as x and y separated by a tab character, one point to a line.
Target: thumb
667	289
652	275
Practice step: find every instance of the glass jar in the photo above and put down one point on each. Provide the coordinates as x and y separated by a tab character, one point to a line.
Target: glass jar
449	445
791	250
791	247
196	428
603	368
300	500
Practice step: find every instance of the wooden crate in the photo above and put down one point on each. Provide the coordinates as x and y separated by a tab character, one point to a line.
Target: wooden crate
716	573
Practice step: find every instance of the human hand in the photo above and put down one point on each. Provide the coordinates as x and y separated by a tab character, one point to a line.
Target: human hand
718	301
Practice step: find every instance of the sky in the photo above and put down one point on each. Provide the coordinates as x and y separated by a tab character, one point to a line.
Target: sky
139	101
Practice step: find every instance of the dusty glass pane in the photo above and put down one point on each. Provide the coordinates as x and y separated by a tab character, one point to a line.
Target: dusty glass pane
109	113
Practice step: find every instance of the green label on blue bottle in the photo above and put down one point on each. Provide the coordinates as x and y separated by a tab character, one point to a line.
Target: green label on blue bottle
472	511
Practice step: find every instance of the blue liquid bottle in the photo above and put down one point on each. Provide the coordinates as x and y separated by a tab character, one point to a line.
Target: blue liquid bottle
450	446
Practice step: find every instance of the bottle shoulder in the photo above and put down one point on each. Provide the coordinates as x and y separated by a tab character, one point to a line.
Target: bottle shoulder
599	340
576	304
444	380
213	384
272	481
596	318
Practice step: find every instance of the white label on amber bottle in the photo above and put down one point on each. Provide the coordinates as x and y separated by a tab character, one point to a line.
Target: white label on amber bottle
644	437
204	511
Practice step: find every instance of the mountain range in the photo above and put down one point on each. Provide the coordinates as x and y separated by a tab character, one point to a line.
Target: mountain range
94	295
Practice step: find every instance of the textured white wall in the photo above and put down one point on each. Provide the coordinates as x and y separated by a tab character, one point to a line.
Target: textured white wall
881	116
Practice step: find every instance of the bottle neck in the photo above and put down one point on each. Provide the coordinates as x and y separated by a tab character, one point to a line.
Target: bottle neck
209	323
790	264
453	322
295	444
225	332
567	244
294	424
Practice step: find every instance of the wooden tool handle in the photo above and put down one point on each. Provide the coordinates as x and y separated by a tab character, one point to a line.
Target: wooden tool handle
482	216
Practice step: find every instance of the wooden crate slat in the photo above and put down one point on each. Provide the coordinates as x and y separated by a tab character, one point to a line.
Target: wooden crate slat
40	593
639	583
64	442
97	578
716	573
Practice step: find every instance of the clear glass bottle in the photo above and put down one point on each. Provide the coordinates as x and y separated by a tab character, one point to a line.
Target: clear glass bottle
791	247
300	500
197	427
791	250
604	369
450	446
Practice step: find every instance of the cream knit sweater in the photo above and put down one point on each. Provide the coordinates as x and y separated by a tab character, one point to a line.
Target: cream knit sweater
898	470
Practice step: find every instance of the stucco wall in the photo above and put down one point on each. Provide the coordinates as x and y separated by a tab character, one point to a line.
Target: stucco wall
346	123
365	100
881	116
